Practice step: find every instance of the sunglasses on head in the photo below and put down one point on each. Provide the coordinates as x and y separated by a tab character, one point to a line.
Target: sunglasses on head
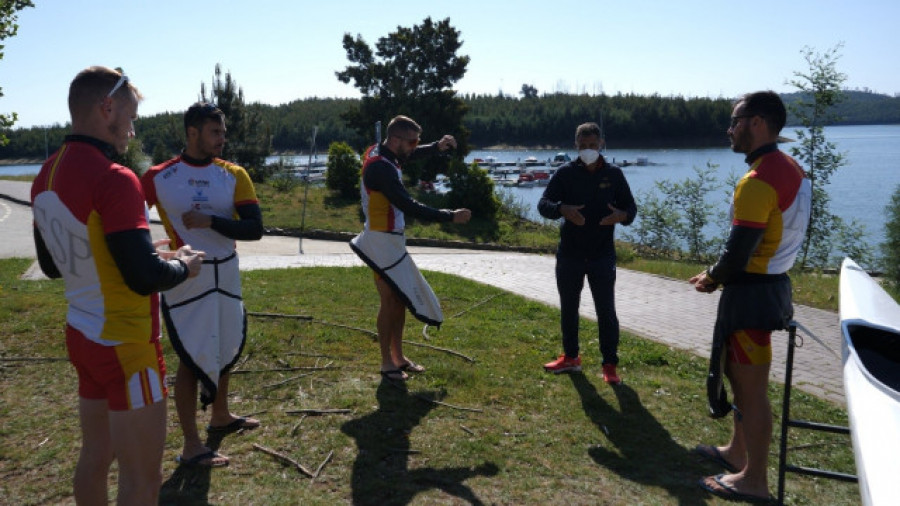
123	80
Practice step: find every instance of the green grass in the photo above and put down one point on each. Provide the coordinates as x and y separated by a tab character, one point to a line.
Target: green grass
28	178
284	210
810	288
523	437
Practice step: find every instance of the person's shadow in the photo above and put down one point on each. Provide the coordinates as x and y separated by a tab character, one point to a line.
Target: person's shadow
647	454
381	473
190	484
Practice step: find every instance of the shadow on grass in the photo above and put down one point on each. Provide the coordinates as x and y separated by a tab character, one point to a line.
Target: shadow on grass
643	450
381	472
190	484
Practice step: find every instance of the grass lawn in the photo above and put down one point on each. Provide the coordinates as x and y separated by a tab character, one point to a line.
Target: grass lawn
486	425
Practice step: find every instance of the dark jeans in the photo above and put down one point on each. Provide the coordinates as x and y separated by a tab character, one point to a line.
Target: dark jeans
601	276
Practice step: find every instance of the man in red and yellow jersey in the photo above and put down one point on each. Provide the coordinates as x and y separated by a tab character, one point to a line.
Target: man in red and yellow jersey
91	229
203	199
770	215
382	244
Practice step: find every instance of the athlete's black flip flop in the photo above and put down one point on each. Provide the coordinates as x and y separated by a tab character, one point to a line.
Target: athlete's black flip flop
236	425
394	375
196	460
712	454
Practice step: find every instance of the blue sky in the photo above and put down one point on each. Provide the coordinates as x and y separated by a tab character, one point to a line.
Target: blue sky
279	51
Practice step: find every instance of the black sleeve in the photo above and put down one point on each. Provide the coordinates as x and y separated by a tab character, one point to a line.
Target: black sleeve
551	200
625	200
425	151
383	177
248	228
45	259
742	242
142	269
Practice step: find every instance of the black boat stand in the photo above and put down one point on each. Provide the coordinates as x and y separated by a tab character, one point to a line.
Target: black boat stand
783	466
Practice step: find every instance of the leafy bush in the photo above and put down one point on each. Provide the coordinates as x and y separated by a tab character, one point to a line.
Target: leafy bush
134	157
654	234
282	180
890	248
343	171
472	189
676	215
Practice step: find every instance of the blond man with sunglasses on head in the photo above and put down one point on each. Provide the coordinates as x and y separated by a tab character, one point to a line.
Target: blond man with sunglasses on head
91	229
382	244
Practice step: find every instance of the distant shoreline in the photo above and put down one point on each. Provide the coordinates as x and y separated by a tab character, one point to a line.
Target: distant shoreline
22	161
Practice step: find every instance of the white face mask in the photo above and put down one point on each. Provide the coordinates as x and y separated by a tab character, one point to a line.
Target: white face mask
588	156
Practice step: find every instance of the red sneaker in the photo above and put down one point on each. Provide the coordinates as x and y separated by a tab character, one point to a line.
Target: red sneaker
563	364
609	374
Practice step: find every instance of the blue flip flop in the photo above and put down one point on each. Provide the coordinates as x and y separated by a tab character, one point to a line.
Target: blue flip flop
728	492
712	454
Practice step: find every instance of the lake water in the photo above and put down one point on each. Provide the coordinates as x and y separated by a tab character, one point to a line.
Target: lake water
860	190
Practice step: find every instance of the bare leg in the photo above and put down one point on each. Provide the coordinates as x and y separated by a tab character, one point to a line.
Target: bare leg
221	414
96	452
735	452
138	438
753	431
391	319
186	407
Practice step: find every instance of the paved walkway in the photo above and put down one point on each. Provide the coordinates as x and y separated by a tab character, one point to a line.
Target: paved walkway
661	309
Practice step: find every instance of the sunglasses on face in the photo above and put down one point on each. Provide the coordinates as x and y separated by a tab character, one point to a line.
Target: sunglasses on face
414	141
737	119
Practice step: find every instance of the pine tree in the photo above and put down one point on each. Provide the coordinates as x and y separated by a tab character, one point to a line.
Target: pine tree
249	142
411	72
820	90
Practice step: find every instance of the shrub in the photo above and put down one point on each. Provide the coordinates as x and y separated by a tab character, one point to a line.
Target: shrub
473	189
282	180
890	248
343	171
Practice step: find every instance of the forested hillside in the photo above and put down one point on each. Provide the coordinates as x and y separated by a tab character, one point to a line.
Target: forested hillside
547	120
627	120
861	108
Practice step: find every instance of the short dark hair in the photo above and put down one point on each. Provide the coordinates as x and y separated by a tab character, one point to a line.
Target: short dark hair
768	105
586	129
403	124
199	113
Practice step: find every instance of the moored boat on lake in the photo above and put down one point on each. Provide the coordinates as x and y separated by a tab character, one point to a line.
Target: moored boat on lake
870	328
559	159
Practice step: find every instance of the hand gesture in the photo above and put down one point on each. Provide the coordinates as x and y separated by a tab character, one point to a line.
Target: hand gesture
446	142
165	254
572	213
196	219
462	215
616	216
193	259
703	283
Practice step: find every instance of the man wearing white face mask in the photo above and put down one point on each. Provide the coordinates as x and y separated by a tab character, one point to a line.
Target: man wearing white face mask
592	196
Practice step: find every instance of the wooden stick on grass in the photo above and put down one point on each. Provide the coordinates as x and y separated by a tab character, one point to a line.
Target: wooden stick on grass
322	465
294	430
280	315
284	459
292	378
438	348
317	412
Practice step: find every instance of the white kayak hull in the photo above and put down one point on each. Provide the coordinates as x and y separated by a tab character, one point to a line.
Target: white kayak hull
870	327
